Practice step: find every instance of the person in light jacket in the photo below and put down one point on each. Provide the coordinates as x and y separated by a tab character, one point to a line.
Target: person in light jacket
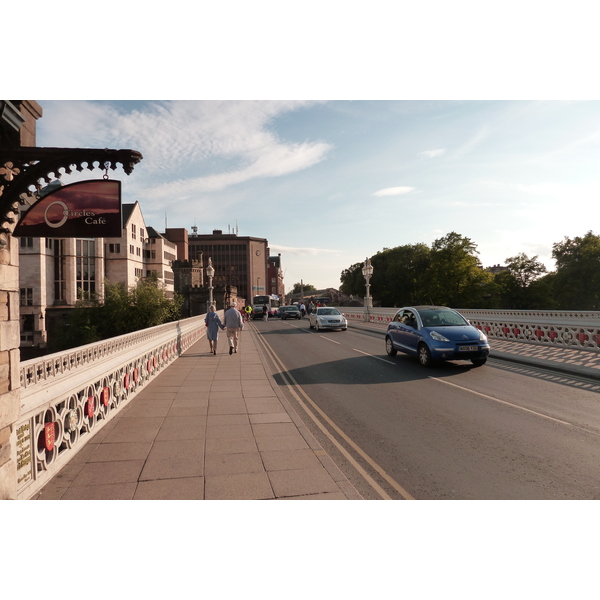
233	324
213	323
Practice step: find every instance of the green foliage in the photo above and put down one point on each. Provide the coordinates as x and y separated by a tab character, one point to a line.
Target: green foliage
303	288
450	273
577	281
122	311
352	281
455	276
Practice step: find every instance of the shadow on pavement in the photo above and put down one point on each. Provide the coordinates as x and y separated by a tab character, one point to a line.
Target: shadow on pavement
366	370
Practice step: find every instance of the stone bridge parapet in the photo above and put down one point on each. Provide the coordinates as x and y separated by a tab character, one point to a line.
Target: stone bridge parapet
69	396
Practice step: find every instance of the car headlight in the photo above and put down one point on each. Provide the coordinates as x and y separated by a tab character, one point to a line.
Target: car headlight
482	336
438	337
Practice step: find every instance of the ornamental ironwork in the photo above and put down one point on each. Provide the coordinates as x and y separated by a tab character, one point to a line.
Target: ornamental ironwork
25	171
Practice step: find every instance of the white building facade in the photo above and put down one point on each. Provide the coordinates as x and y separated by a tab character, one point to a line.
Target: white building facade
55	273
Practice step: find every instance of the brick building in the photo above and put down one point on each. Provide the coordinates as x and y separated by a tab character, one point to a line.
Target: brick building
242	262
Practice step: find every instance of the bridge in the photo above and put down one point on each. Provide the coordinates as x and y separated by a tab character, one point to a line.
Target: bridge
69	397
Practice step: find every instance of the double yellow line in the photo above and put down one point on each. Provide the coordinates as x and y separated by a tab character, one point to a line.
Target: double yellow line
298	393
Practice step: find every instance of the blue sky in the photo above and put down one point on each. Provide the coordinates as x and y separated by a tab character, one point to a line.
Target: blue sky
329	183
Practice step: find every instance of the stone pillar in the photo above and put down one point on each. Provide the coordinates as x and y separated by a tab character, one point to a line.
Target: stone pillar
10	405
10	338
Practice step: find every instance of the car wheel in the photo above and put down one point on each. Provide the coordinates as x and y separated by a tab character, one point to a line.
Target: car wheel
424	355
478	362
389	347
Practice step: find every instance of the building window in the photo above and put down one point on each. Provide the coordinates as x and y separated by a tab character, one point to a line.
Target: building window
26	242
114	248
86	268
142	235
49	243
131	249
26	296
59	270
133	231
138	251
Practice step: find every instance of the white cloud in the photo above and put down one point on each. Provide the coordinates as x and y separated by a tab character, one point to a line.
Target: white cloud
394	191
229	140
433	153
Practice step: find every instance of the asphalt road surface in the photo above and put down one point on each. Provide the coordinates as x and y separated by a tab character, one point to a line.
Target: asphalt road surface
398	430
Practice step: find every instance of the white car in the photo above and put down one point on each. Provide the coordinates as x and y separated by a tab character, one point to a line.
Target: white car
327	317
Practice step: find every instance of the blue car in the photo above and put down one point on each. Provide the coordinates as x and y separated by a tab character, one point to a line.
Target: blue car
435	333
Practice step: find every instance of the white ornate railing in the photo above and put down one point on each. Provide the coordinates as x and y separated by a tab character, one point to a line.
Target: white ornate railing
67	397
573	329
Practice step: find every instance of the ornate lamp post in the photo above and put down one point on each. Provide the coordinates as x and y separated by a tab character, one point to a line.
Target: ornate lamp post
210	272
367	272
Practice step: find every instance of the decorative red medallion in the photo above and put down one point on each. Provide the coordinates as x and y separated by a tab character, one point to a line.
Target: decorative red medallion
155	361
105	396
91	406
49	436
136	375
126	381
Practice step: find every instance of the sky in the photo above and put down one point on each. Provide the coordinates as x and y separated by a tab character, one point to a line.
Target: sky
329	183
334	130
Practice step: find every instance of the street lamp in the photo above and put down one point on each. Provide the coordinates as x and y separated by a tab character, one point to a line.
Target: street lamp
210	272
367	272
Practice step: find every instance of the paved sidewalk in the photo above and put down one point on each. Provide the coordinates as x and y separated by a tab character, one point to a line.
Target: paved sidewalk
207	428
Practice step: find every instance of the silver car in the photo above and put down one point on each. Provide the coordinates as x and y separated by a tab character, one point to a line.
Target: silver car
327	317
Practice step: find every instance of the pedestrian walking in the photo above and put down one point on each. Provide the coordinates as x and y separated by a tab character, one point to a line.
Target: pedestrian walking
265	312
213	323
233	325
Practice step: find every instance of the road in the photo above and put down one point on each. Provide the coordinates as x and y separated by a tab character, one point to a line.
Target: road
399	430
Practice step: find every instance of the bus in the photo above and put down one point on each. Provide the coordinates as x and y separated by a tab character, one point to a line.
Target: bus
258	302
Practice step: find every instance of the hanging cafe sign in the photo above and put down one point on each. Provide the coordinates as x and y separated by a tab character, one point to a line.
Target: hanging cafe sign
87	209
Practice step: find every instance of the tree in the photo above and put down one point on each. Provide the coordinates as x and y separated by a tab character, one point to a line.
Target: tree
525	270
516	287
352	281
577	281
398	274
303	288
455	276
121	311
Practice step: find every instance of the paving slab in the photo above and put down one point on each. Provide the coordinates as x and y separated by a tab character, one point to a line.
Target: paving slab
206	428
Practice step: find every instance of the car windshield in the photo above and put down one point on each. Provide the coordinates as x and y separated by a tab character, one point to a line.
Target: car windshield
432	317
328	311
292	308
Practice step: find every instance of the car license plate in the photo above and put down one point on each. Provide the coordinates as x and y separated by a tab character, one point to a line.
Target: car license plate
468	348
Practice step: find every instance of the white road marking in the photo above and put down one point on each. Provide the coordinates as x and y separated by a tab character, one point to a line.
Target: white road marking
389	362
533	412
